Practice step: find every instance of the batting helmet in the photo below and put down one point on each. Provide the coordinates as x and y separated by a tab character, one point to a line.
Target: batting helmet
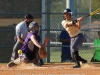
32	24
67	11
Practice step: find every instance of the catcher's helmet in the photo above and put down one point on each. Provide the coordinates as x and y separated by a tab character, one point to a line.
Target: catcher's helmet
32	24
67	11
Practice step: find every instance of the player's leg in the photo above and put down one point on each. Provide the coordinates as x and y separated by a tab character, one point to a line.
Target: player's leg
37	60
14	56
36	57
79	41
11	64
76	55
19	60
75	44
16	47
33	55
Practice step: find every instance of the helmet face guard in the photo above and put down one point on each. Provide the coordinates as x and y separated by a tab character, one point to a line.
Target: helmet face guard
33	24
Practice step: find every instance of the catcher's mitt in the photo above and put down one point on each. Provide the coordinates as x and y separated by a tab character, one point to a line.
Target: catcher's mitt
42	53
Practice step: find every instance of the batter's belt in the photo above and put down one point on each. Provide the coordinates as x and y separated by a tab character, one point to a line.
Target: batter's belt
76	35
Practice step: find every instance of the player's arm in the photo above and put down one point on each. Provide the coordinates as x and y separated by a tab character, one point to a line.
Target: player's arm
45	42
79	21
76	22
18	34
35	41
20	39
69	24
66	24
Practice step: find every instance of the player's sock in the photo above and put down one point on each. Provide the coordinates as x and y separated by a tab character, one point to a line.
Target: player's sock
77	60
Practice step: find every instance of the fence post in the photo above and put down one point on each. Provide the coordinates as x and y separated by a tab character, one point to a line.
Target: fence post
48	29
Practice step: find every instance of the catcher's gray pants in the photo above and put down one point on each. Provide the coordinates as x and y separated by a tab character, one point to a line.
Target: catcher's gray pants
76	42
16	47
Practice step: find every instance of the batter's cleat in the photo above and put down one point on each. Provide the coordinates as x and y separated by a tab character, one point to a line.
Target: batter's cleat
11	64
77	66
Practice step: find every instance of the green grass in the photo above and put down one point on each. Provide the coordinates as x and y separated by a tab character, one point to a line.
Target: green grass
86	53
55	54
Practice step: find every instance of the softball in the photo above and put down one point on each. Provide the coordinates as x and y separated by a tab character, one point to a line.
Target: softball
19	51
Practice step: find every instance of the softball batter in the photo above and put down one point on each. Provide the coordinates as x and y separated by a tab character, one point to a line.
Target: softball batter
76	35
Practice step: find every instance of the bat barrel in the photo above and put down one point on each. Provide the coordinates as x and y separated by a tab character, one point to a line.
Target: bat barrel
86	16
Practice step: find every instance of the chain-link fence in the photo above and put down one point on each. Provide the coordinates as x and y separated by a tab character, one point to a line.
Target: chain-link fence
52	27
49	15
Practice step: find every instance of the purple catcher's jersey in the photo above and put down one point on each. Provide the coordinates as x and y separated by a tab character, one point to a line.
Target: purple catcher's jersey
25	47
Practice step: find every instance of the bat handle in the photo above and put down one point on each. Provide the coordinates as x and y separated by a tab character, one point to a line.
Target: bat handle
74	21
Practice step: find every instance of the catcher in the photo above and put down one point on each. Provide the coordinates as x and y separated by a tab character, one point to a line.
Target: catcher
32	48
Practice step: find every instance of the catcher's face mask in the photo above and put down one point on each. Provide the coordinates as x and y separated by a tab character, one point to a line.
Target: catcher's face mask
34	27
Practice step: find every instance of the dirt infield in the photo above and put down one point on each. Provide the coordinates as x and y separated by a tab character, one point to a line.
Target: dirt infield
50	69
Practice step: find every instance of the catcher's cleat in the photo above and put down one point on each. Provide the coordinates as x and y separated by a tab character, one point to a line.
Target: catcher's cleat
11	64
41	62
